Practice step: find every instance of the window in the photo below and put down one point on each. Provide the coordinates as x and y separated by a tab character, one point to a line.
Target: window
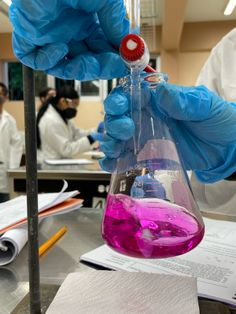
90	88
153	63
40	79
61	82
14	80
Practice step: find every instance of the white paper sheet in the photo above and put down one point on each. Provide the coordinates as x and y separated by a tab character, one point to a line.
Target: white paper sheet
125	293
60	162
213	262
15	210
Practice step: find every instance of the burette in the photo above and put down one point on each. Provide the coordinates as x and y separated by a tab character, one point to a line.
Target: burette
135	54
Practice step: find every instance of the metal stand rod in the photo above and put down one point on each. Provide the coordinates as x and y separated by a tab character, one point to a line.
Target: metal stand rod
32	189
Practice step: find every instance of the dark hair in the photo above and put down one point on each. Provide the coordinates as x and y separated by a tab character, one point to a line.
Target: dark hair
4	89
63	92
44	92
1	100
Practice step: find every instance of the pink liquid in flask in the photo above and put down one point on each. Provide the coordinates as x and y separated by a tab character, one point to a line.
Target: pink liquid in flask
149	228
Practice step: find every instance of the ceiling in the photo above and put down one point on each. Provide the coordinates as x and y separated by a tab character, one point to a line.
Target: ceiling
196	11
151	12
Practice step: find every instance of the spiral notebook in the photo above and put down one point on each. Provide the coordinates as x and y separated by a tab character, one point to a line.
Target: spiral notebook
213	262
13	219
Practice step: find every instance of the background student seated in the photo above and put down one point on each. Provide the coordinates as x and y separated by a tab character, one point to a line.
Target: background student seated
57	136
11	144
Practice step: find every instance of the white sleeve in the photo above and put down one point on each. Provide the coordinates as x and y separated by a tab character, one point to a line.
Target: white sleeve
79	133
64	146
210	73
16	145
219	71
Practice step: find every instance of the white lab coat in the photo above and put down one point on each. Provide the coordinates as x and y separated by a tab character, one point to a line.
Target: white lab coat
11	148
219	75
61	140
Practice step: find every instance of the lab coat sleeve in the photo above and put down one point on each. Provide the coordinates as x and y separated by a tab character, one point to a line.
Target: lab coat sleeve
79	133
16	145
219	71
64	146
210	73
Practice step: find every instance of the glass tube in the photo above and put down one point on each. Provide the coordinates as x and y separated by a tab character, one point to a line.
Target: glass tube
133	8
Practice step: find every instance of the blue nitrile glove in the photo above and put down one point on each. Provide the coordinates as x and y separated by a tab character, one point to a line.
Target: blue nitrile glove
147	187
202	124
97	136
70	39
101	127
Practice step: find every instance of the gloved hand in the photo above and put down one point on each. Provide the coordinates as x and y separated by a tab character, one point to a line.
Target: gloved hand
97	136
146	186
101	127
202	124
70	39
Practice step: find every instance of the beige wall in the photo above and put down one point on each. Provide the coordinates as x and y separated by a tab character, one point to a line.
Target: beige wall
190	63
89	113
6	52
16	109
183	65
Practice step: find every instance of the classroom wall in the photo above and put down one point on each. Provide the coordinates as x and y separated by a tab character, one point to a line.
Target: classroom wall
6	52
89	113
190	63
183	65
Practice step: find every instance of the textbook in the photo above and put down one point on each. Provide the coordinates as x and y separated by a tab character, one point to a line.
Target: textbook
212	262
13	219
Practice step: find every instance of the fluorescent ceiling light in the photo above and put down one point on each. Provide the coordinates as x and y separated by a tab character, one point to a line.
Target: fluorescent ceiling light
8	2
230	7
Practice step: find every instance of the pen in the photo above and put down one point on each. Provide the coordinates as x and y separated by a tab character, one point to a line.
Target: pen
51	241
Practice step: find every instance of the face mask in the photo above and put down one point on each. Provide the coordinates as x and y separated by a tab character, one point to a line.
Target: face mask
69	113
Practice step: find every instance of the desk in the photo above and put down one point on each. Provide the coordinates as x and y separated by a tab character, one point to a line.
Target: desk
90	180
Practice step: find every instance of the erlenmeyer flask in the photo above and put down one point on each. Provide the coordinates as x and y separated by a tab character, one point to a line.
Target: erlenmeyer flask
150	210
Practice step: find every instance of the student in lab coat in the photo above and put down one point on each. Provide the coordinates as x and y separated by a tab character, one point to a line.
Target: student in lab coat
219	75
57	135
11	144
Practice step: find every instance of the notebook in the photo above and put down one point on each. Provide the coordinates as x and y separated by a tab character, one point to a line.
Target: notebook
13	219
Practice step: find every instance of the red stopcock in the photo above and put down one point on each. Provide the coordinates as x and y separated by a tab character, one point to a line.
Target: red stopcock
132	49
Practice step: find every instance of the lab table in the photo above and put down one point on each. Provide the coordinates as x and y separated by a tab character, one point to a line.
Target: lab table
90	180
83	235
